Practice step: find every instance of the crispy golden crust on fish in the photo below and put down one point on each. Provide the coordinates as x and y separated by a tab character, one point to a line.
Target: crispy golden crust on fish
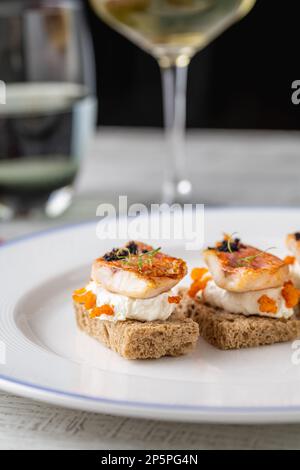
245	269
160	265
143	272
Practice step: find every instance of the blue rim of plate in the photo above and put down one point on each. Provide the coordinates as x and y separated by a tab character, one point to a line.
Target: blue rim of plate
136	404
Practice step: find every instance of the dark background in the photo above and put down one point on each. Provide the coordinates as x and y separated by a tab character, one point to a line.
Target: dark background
242	80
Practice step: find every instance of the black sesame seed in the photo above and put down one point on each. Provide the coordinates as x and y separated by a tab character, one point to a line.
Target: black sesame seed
230	247
111	256
122	253
115	254
132	247
118	253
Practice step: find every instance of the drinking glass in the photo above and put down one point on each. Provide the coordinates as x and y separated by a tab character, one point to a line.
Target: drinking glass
48	109
173	31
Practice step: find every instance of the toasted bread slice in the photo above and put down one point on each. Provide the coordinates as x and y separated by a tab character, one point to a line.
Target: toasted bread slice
226	330
245	269
138	271
142	340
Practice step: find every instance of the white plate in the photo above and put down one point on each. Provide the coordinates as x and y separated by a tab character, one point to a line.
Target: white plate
48	359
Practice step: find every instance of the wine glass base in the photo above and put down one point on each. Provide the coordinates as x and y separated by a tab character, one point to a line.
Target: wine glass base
180	192
59	201
52	204
7	213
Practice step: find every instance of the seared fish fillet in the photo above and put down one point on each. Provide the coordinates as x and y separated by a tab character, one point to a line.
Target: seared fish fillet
242	268
137	270
293	244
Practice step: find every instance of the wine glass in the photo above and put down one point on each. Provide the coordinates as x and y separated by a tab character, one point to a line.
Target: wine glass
48	116
173	31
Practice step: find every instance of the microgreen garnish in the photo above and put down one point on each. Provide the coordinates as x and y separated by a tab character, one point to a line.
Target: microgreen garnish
229	244
130	255
140	263
146	257
151	254
247	260
123	253
229	241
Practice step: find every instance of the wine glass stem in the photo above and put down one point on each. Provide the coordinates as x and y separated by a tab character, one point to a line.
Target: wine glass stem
176	186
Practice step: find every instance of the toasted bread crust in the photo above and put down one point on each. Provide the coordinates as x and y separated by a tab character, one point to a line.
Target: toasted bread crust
225	330
141	340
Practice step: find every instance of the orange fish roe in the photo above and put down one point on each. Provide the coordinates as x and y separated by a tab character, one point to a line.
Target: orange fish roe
289	260
198	285
80	291
78	299
290	294
86	298
89	300
78	295
267	305
198	273
175	299
103	310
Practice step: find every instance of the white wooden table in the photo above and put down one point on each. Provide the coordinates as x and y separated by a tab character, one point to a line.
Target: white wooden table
228	168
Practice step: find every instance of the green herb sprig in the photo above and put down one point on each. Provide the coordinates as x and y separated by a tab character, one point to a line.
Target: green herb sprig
229	241
247	260
141	258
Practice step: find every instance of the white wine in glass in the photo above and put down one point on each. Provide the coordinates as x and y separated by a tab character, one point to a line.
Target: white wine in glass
173	31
